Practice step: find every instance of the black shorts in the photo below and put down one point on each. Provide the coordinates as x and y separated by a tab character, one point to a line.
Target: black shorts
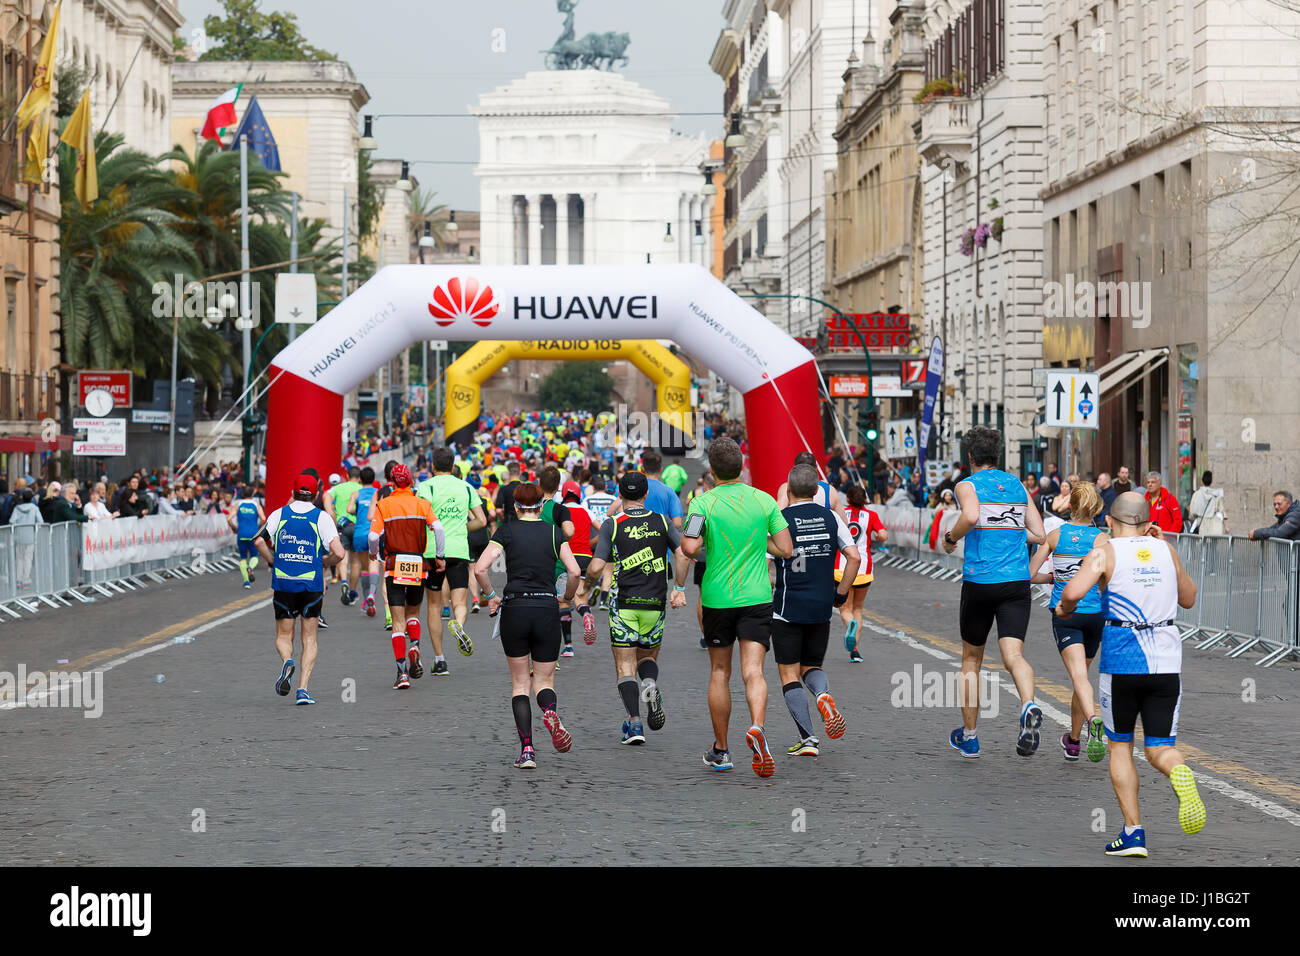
402	595
1155	697
724	625
699	574
800	643
291	604
584	562
456	575
531	630
1082	629
1007	602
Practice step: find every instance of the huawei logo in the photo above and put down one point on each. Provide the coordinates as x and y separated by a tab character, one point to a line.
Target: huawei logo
462	297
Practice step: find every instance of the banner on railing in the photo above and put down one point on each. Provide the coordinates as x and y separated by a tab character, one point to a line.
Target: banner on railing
111	544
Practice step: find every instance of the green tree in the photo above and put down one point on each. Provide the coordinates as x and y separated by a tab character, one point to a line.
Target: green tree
425	209
246	33
575	385
369	200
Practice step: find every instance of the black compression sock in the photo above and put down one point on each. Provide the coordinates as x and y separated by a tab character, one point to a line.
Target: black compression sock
547	700
566	628
523	719
630	690
648	670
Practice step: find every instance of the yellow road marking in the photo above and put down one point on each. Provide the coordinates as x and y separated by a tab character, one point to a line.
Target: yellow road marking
1244	775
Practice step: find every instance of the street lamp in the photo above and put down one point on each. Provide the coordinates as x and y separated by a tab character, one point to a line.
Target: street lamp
451	222
368	142
668	235
735	139
699	232
404	183
708	189
426	240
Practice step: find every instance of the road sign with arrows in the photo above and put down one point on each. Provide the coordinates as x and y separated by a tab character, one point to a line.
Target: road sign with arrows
1072	398
900	438
295	298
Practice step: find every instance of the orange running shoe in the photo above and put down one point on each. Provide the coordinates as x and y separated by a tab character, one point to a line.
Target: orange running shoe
559	736
764	765
834	719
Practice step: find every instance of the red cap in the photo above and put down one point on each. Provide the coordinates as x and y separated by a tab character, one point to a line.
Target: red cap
306	482
571	488
401	476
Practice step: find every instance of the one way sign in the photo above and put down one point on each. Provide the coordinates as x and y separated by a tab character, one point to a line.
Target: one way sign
1072	399
900	438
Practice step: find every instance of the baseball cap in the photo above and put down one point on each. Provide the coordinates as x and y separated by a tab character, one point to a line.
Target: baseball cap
571	489
334	479
473	479
306	483
611	487
401	476
633	486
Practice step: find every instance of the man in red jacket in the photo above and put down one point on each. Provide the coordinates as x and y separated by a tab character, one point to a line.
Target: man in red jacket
1165	512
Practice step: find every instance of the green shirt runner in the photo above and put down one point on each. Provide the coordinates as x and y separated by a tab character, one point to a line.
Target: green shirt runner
452	501
738	520
674	477
343	493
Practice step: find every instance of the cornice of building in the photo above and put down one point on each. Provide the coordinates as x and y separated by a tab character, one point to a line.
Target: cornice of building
269	78
726	52
1146	144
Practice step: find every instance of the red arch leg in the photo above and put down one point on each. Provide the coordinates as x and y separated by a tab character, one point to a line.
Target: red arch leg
303	426
778	430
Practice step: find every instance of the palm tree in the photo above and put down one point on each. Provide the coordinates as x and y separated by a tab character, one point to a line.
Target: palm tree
424	209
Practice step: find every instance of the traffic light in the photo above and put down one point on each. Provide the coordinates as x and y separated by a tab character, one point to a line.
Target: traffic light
873	425
868	419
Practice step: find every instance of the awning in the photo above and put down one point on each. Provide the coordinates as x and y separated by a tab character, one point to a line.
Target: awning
32	444
1123	371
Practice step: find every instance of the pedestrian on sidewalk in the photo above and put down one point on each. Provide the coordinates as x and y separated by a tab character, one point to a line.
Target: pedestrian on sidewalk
1287	526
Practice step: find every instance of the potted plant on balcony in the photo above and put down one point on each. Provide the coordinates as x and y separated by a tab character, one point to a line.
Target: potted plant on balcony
941	86
966	245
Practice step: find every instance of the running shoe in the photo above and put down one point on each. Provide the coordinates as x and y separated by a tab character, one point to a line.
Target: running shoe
446	613
320	622
402	682
560	737
527	759
855	657
568	651
248	586
1096	739
1070	747
764	765
463	642
967	748
353	596
833	718
655	715
633	732
806	747
473	608
251	576
343	594
414	667
388	619
283	685
589	626
304	698
369	605
1031	718
440	669
718	759
388	624
1128	844
703	645
1191	811
851	637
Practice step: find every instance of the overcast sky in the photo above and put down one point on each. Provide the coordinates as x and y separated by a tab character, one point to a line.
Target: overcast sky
436	56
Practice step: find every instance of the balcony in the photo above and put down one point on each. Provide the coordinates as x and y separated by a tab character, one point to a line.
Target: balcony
943	130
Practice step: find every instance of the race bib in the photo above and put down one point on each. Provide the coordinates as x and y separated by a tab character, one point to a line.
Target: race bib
408	569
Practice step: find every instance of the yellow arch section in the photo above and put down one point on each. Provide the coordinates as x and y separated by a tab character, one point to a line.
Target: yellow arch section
671	376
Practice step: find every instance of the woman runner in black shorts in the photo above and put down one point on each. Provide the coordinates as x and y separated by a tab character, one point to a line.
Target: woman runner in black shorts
530	613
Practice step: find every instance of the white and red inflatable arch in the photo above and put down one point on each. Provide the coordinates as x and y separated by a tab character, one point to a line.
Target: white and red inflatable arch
405	304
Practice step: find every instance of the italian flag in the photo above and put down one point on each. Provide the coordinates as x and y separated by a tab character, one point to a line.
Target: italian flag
221	114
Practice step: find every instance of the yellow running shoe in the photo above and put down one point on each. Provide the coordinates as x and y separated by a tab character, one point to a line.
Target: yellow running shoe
1191	811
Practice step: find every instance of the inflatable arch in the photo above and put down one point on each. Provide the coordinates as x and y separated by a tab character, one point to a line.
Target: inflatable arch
670	374
405	304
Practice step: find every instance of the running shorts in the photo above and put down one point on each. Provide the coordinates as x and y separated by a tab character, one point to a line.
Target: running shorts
291	604
699	574
1082	629
456	575
800	643
531	630
247	549
403	595
723	626
1155	697
636	627
1007	602
861	581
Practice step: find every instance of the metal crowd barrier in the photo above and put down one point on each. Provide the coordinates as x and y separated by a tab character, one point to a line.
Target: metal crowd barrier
1247	592
44	566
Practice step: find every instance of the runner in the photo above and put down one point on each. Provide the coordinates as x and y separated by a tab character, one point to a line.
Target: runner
706	483
326	504
802	602
384	491
338	502
1141	659
293	542
739	525
1000	519
637	544
506	494
553	512
246	518
580	544
479	538
362	567
1079	635
865	526
598	504
827	496
457	506
530	614
660	498
404	521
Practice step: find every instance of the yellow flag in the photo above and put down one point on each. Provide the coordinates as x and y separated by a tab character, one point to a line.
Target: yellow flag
80	135
37	100
38	149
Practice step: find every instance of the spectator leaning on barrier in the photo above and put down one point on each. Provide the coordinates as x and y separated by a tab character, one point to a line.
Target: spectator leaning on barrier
26	516
65	508
1206	509
1165	512
1287	526
95	508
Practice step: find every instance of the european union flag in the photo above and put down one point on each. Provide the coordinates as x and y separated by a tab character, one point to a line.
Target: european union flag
260	141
